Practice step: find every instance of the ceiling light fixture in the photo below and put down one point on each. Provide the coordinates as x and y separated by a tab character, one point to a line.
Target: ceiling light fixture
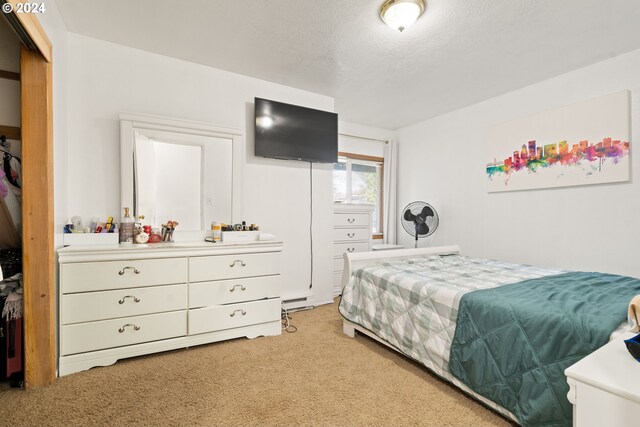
401	14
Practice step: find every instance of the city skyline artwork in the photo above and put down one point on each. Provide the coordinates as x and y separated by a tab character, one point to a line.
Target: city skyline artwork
583	143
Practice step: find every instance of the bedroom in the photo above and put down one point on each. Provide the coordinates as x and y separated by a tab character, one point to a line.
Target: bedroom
95	80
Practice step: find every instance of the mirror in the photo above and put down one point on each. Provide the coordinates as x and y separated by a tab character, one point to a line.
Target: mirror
179	170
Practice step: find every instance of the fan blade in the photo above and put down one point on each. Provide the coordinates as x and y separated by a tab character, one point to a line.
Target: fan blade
426	211
409	216
422	229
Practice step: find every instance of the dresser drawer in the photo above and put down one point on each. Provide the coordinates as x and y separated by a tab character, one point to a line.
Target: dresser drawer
221	267
351	234
231	291
218	318
92	306
83	337
338	263
97	276
351	220
340	248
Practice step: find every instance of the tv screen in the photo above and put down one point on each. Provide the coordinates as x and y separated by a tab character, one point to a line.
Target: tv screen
285	131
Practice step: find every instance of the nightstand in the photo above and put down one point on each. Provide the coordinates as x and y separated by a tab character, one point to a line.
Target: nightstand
605	387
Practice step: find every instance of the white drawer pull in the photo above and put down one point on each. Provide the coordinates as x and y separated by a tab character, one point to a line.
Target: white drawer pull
351	220
242	288
242	263
241	312
135	270
351	235
135	299
351	249
135	327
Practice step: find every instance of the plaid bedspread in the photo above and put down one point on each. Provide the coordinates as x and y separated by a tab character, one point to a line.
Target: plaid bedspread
413	304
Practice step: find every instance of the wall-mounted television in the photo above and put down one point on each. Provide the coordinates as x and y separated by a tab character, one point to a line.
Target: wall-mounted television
285	131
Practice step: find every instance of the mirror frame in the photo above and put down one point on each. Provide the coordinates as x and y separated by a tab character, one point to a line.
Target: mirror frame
130	122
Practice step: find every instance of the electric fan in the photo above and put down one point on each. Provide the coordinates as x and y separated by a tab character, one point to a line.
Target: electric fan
419	219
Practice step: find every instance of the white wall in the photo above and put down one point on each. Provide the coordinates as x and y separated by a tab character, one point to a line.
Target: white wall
105	79
593	228
56	31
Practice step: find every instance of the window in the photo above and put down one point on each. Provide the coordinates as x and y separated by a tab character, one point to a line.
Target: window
358	179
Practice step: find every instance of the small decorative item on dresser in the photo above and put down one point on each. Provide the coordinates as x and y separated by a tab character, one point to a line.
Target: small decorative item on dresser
142	237
216	231
167	230
154	236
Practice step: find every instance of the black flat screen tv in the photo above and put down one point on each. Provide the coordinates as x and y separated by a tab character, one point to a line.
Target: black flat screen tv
285	131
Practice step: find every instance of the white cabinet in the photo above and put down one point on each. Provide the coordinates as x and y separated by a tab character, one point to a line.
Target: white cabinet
604	387
122	301
352	231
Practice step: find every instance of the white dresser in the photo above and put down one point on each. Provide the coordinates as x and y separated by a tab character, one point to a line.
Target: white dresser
122	301
351	233
604	387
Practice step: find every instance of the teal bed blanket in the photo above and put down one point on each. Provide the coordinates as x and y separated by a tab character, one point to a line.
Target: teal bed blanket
512	343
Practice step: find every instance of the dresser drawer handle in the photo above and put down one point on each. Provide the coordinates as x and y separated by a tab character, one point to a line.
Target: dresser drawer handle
351	249
242	288
351	235
351	220
135	299
242	263
241	312
135	327
135	270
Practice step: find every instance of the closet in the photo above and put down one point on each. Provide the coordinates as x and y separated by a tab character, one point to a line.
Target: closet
26	221
11	291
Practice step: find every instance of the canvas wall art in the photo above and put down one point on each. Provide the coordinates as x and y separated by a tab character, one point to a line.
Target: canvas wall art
580	144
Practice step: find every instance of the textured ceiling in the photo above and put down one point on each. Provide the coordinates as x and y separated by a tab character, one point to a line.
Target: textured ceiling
458	53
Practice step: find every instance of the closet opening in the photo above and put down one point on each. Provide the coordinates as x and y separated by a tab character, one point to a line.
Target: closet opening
27	338
11	284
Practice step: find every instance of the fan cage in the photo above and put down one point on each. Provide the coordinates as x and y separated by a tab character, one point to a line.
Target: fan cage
415	208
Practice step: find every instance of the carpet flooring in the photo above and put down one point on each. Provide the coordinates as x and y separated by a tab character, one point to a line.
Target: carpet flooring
316	376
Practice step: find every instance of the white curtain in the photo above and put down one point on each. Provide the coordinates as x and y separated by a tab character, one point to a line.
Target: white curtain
389	202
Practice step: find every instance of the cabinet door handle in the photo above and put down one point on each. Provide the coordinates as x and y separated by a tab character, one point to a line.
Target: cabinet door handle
236	311
351	235
135	327
242	288
135	270
351	249
135	299
351	220
242	263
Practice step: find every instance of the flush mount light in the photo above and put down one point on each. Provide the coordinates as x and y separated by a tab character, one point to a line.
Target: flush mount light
401	14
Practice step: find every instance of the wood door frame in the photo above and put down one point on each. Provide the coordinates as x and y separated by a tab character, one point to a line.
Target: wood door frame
39	299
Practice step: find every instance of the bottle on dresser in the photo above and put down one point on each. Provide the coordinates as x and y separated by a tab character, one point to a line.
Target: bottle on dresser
127	225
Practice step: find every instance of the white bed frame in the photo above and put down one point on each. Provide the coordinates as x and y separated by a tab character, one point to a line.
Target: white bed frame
354	261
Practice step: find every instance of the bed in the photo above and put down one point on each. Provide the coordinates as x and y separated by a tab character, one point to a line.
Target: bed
506	346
